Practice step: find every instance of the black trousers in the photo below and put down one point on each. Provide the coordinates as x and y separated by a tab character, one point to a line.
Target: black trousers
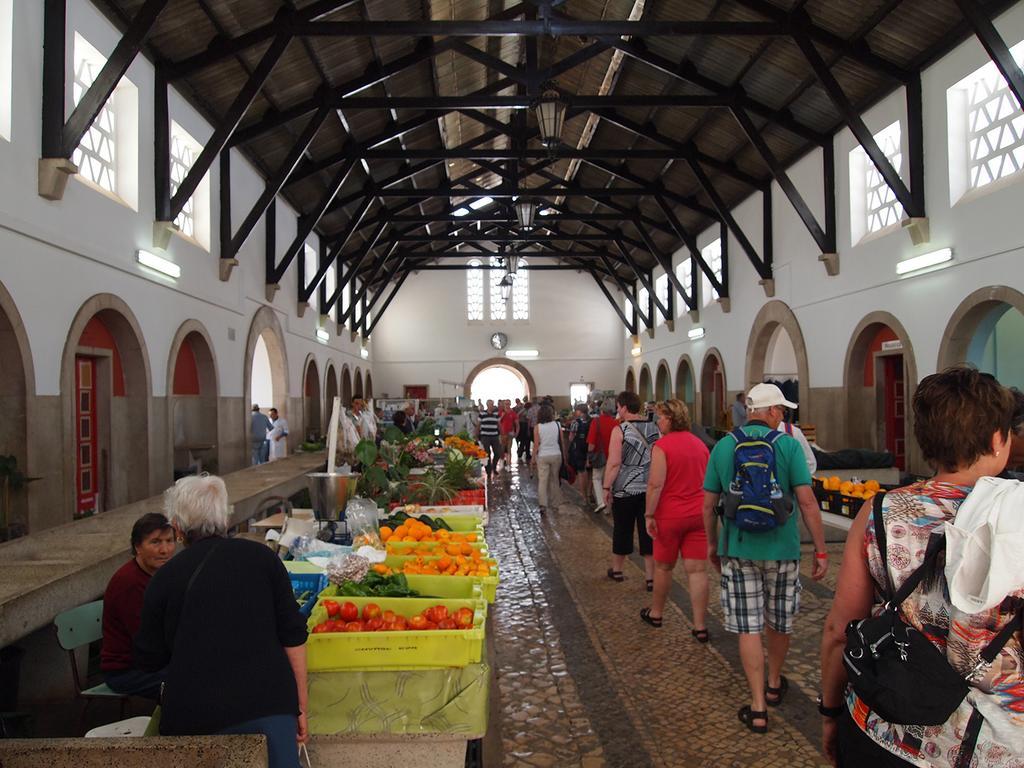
524	439
627	514
857	749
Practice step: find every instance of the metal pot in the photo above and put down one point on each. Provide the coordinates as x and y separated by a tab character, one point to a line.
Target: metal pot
330	494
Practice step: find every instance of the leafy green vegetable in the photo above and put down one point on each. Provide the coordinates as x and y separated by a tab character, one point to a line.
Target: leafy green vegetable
376	585
366	452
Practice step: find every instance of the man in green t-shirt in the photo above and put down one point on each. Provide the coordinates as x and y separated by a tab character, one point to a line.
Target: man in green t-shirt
761	570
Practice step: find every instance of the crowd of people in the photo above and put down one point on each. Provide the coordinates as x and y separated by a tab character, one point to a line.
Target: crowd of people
936	560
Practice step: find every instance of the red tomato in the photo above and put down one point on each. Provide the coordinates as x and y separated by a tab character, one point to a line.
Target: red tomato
431	625
388	616
371	611
440	613
401	624
464	618
447	624
333	609
355	626
321	627
349	612
418	622
374	625
387	626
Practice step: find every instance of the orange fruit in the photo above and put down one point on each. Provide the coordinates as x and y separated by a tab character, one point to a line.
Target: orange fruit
409	538
467	549
470	537
385	533
400	532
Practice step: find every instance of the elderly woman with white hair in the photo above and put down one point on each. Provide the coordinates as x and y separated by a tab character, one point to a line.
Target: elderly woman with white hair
222	618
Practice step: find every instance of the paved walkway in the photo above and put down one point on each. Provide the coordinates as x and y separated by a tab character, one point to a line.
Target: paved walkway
583	682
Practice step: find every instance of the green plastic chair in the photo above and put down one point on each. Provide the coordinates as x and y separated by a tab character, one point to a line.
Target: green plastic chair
82	626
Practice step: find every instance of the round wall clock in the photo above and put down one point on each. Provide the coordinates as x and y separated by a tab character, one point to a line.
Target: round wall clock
499	340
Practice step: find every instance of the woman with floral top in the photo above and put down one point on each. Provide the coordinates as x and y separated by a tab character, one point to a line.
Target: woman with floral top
962	424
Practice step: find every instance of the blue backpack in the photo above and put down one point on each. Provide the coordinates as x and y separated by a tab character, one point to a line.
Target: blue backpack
754	500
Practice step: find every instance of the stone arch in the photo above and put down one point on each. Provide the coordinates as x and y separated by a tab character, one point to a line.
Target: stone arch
357	384
17	385
686	384
713	389
265	325
311	400
663	382
969	316
866	398
502	362
122	472
776	317
630	380
346	387
368	386
192	401
330	392
645	386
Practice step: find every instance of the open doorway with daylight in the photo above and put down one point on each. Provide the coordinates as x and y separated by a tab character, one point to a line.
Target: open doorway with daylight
712	391
579	391
685	388
498	382
311	401
193	402
266	366
776	354
14	388
105	377
346	387
987	330
880	375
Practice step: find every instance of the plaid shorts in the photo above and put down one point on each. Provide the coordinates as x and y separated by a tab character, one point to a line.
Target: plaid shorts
758	591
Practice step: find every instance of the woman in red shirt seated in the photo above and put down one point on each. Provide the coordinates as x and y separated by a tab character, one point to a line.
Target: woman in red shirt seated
675	496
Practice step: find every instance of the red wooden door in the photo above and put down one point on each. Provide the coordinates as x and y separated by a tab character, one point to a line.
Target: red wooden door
87	470
895	409
416	391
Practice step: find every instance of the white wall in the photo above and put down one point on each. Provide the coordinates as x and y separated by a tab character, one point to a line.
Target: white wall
985	234
424	338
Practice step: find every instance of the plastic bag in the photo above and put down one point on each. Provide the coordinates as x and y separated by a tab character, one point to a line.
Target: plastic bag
305	547
361	515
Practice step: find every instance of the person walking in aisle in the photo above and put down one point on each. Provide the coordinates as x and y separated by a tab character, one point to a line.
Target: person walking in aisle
739	411
489	433
547	457
625	485
577	453
259	426
675	496
598	438
509	425
278	436
525	437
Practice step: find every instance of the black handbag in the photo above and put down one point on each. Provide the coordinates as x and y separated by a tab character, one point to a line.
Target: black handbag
893	668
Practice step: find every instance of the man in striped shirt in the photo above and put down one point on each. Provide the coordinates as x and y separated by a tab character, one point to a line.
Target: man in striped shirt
490	435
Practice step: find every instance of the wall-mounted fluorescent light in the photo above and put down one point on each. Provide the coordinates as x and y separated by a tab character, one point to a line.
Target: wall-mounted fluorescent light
924	261
695	333
323	335
522	354
158	263
636	351
364	353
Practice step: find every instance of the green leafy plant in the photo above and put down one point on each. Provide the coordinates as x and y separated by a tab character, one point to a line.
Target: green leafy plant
394	435
432	488
427	427
459	468
366	453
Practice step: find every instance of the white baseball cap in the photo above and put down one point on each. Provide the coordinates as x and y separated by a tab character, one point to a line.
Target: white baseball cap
766	395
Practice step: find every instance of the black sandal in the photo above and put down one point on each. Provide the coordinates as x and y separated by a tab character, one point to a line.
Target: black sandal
779	693
650	585
701	635
747	716
615	575
645	614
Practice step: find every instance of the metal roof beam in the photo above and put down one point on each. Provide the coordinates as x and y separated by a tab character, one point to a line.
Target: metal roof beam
990	39
545	27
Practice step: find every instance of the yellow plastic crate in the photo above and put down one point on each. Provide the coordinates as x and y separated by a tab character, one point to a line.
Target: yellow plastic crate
331	651
431	587
459	523
416	547
489	584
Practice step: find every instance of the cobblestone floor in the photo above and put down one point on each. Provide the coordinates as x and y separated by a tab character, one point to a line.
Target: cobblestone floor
581	681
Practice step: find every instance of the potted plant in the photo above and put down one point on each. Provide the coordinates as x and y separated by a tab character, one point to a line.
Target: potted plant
12	480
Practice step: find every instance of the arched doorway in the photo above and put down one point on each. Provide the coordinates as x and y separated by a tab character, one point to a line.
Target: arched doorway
368	386
265	370
106	387
330	392
346	387
192	402
630	380
987	330
663	382
357	384
712	390
880	376
311	401
16	382
646	390
505	379
776	354
685	388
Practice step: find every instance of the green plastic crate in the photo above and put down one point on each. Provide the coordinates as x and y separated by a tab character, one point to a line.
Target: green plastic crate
489	584
327	651
432	587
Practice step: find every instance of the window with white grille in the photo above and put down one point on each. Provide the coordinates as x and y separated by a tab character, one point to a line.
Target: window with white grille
194	220
107	156
346	302
986	129
357	311
685	277
475	292
661	291
712	255
873	204
499	306
643	298
330	284
521	292
629	312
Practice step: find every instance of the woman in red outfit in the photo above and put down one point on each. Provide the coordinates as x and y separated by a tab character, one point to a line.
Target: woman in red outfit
675	495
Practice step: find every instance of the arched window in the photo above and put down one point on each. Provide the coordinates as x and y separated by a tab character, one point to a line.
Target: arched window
521	293
474	292
499	306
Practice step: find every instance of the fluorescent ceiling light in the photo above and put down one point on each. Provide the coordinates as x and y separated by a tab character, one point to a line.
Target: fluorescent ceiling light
546	212
158	263
522	354
636	351
460	212
476	205
924	261
695	333
323	335
364	353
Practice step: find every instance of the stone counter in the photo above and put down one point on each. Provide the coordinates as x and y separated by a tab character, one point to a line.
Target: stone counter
58	568
150	752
